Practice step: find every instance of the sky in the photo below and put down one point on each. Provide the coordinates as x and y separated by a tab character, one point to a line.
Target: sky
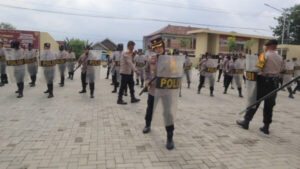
197	13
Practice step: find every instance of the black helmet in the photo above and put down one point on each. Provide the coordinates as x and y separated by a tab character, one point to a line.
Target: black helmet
14	44
120	47
47	45
130	43
30	45
61	47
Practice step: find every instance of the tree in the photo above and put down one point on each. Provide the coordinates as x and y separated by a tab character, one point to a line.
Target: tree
4	25
184	42
77	46
231	44
292	29
249	44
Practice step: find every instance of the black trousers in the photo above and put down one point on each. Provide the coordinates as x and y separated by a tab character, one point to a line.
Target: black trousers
264	86
297	87
83	80
107	73
149	114
202	81
227	81
126	80
220	74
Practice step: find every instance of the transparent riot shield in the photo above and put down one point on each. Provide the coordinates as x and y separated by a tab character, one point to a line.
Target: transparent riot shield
297	69
238	72
210	72
187	67
93	66
71	61
48	64
16	64
288	73
61	62
169	74
251	61
31	61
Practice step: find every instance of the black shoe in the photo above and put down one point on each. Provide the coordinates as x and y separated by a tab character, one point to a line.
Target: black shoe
243	123
198	92
170	144
146	129
50	96
121	102
135	100
92	96
82	91
125	94
106	78
32	85
112	84
17	91
291	96
225	92
47	91
265	129
114	91
211	95
240	95
20	95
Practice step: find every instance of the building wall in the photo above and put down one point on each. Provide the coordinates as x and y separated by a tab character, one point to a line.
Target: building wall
291	51
45	37
213	44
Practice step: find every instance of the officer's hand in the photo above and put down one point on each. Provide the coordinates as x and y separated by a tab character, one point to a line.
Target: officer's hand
147	84
137	73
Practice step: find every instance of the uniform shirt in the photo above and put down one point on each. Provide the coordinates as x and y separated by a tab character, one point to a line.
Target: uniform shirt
140	60
71	55
187	61
225	62
126	63
296	68
150	73
82	61
272	64
18	55
62	55
30	54
229	67
2	52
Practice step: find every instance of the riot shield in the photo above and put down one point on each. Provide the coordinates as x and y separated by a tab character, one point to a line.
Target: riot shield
297	69
93	66
61	60
288	73
251	61
116	65
48	63
210	72
71	60
31	61
238	72
16	64
187	67
169	74
103	55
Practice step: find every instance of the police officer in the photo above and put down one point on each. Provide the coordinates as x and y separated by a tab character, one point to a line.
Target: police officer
220	66
2	65
296	74
61	62
127	68
287	75
116	67
207	69
268	68
187	68
109	65
32	65
238	71
228	73
140	62
48	62
82	61
150	73
71	62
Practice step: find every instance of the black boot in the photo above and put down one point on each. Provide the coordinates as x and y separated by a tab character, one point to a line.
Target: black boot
50	91
62	81
240	92
32	83
92	87
211	91
120	101
5	80
243	123
134	100
72	75
83	88
18	90
170	143
142	83
265	129
225	90
21	88
291	92
137	82
115	89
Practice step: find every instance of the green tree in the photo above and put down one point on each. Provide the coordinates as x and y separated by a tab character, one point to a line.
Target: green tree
231	44
292	29
77	45
4	25
249	44
184	42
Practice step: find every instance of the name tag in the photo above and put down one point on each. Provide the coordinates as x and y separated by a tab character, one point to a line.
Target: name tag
252	76
297	67
187	67
60	61
48	63
238	71
211	70
168	83
2	58
94	63
32	60
117	63
138	64
15	62
289	72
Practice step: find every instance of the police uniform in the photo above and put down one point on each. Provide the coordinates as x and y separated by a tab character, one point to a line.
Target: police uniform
61	62
296	74
2	65
287	75
116	67
268	68
238	72
127	68
71	62
48	62
32	65
228	73
221	64
109	65
83	61
140	62
187	69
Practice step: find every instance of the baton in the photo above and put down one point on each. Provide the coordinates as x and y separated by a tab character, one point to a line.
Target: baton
268	95
146	88
75	70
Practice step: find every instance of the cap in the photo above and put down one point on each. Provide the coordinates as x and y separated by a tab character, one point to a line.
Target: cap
271	42
130	43
158	42
120	47
47	44
30	45
61	47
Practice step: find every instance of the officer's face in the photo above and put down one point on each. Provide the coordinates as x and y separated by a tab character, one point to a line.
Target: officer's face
86	51
159	50
131	47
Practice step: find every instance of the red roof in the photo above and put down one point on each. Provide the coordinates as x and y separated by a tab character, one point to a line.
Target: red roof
175	30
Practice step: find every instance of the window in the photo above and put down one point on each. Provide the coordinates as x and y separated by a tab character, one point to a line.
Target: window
169	43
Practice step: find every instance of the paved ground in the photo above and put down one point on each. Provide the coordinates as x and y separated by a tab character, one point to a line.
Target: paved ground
72	131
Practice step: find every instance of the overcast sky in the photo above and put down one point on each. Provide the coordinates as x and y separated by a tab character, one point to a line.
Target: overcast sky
237	13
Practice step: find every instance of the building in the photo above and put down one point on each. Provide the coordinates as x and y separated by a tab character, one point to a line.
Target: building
290	51
106	44
174	37
215	42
